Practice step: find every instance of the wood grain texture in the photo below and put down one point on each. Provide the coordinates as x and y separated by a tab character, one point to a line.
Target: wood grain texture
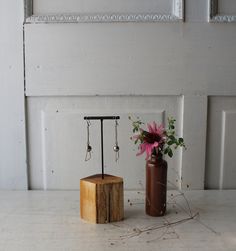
101	200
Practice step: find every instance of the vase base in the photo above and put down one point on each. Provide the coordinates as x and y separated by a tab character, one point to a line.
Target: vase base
156	214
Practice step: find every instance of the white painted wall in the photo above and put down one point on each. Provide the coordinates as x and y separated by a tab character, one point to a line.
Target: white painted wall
92	6
12	116
78	68
221	142
179	64
57	138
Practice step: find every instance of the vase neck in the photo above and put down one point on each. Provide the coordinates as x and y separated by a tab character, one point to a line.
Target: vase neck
158	155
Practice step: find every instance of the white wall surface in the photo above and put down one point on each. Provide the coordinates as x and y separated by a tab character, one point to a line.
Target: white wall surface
12	118
73	69
57	139
221	142
130	59
182	69
96	6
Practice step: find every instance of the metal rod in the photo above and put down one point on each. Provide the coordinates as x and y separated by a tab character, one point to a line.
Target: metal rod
101	117
102	157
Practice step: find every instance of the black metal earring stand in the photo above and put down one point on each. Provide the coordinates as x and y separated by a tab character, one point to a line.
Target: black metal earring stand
101	118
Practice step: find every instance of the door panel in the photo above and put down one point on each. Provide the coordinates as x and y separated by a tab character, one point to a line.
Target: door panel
57	139
129	59
84	59
99	6
221	157
227	7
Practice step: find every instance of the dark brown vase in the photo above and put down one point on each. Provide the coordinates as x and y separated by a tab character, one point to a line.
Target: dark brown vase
156	186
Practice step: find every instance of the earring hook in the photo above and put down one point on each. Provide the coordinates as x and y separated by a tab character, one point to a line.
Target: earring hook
116	147
89	148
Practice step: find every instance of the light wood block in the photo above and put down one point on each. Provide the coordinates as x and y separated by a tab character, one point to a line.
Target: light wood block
101	200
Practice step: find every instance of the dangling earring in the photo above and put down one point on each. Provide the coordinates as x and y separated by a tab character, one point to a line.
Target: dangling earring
116	147
89	148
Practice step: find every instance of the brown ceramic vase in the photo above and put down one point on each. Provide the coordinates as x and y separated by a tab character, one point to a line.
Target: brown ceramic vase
156	186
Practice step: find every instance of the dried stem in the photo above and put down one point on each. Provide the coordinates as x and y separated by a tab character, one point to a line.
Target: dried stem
138	231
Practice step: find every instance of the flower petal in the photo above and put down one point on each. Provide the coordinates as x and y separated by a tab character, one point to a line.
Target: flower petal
142	148
150	129
148	151
135	137
155	144
155	126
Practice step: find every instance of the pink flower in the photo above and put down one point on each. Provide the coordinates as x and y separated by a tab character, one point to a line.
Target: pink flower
158	130
152	139
148	148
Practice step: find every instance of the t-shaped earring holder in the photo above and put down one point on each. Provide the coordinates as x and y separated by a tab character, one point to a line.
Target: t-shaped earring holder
101	118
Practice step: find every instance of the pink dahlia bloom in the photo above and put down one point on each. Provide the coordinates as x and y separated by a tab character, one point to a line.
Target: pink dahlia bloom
155	129
151	139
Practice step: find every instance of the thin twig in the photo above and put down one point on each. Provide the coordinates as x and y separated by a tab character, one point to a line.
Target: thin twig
138	231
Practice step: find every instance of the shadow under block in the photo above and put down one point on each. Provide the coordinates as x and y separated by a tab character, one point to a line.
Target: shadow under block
101	200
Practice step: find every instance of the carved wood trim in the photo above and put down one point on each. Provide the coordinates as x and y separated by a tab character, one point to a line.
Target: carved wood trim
177	15
214	17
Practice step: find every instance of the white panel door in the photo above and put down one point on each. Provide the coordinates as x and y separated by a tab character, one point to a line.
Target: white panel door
221	153
90	57
57	139
99	6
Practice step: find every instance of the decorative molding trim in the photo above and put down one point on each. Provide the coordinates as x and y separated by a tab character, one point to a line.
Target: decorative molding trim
28	8
178	9
222	149
224	19
215	18
176	16
100	18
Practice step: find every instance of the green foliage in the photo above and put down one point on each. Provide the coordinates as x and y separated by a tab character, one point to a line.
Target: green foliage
136	124
168	151
170	141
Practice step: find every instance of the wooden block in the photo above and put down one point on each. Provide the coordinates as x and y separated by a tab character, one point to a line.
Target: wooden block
101	200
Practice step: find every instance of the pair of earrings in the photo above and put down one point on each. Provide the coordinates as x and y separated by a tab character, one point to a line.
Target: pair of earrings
116	147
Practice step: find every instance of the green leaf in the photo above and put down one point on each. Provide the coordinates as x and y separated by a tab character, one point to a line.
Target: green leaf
170	153
166	150
181	140
170	143
172	138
